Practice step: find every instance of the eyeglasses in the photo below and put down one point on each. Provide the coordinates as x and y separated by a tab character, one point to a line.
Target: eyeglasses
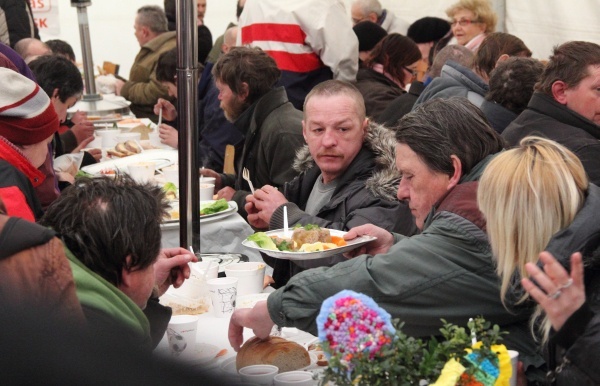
414	73
463	22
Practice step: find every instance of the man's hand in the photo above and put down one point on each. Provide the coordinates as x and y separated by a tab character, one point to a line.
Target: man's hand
256	318
171	268
266	200
168	135
226	193
383	243
118	86
83	131
253	214
79	117
211	173
96	153
169	112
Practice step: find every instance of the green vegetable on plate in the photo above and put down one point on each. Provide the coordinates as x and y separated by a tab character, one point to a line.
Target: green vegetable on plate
215	207
263	241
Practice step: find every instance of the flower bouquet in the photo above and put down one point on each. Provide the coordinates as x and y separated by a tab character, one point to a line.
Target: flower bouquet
365	347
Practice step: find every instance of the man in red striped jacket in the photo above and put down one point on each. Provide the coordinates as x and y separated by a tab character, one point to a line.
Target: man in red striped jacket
311	41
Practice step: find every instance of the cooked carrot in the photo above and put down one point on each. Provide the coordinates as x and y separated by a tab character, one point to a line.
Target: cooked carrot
339	241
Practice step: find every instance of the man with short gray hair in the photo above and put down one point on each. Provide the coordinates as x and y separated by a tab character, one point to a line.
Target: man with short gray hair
373	11
142	89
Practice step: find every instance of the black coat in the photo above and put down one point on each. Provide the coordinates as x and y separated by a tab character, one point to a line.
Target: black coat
547	118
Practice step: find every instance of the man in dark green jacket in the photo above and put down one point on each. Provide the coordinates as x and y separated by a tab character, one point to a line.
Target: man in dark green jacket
447	271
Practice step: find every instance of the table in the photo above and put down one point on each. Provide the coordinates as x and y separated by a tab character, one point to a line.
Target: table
223	235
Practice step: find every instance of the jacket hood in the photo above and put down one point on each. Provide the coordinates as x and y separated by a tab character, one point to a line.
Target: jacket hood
381	142
465	76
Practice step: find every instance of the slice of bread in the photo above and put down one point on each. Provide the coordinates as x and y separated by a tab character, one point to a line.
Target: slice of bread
276	351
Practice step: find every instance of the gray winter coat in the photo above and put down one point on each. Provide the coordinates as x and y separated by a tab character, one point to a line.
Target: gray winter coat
447	272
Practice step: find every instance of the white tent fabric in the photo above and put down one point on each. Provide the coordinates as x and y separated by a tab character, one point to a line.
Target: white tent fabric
541	24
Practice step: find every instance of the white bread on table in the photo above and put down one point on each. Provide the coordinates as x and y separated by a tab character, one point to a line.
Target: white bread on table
276	351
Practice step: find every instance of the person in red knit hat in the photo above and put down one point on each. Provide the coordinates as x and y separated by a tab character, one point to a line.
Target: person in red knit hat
27	123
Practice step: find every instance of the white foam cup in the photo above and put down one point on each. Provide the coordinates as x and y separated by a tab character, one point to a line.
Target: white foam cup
259	374
142	172
295	378
206	192
250	276
181	334
514	361
223	292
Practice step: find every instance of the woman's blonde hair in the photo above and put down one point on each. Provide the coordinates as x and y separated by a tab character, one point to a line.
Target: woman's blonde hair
527	194
482	11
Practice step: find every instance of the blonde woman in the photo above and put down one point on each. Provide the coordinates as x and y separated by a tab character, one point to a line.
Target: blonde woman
537	198
471	21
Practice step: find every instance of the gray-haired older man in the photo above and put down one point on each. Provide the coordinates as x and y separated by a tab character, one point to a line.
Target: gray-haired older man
142	88
447	271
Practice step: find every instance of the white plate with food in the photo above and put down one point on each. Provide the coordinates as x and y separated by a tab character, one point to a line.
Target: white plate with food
160	157
213	211
298	251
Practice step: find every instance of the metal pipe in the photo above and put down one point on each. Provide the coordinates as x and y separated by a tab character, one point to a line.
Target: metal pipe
187	101
86	51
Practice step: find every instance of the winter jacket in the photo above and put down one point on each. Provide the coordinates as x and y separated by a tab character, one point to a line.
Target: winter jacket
547	118
18	21
216	132
365	194
401	106
107	309
17	60
377	90
18	177
273	132
311	41
447	272
575	349
498	116
34	271
455	80
142	89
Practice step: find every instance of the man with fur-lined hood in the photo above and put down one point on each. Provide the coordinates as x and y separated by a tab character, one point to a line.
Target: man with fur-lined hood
347	176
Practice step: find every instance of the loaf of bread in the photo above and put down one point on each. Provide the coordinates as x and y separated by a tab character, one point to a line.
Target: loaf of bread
276	351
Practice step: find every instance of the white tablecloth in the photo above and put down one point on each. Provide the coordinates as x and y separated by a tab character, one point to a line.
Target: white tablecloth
223	235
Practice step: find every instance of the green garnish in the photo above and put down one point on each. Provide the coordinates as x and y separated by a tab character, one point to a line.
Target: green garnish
262	240
215	207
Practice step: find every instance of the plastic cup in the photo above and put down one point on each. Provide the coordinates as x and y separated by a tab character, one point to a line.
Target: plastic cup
206	192
223	292
142	172
250	276
154	139
171	174
295	378
259	374
109	137
181	334
514	361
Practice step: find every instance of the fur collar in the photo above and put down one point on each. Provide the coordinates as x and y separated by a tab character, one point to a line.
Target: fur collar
385	179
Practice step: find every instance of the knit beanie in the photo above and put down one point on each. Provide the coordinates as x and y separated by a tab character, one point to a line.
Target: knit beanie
428	29
368	34
26	114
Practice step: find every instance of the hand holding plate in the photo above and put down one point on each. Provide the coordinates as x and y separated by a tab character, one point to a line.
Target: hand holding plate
383	243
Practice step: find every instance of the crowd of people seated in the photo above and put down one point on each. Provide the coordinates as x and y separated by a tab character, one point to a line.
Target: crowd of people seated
474	164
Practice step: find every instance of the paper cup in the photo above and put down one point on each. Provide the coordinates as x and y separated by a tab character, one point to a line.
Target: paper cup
124	137
206	192
295	378
198	269
207	180
223	292
181	334
250	276
259	374
109	137
514	361
171	174
142	172
154	139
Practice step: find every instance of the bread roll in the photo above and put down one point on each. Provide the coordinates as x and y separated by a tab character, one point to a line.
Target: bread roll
276	351
133	147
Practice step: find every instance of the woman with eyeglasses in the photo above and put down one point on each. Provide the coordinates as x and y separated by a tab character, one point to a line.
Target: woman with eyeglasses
471	21
390	67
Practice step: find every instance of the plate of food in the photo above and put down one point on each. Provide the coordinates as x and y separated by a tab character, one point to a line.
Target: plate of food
160	157
214	210
304	243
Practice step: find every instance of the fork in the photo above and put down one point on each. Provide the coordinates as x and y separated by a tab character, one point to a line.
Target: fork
246	176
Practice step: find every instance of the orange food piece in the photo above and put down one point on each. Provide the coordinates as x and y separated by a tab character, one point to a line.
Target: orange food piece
339	241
